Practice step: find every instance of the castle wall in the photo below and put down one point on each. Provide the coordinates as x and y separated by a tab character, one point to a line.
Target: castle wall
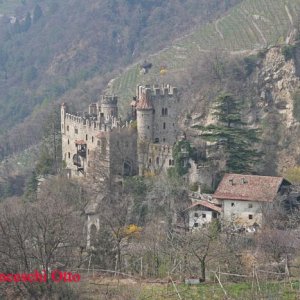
165	128
123	145
75	128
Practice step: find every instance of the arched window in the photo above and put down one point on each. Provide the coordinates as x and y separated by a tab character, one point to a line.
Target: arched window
164	125
170	162
68	142
92	139
86	137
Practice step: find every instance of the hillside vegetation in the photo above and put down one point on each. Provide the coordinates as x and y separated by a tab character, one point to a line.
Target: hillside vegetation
251	25
47	54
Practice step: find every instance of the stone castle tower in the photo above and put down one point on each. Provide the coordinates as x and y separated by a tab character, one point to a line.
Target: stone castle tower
157	113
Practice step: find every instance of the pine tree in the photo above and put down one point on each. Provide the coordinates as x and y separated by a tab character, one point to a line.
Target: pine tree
31	187
232	133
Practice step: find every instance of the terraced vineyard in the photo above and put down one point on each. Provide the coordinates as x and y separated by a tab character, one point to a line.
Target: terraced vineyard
253	24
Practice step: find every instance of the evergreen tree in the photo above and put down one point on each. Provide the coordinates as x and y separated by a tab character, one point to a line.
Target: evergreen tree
231	132
31	187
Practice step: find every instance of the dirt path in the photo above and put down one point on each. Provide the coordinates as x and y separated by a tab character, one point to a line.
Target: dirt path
218	30
260	32
289	15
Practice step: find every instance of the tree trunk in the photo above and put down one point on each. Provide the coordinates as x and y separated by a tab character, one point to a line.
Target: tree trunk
203	268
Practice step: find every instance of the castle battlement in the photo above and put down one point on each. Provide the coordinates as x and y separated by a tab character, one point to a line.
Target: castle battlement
156	91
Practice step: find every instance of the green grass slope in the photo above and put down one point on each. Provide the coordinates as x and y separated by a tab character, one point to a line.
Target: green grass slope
253	24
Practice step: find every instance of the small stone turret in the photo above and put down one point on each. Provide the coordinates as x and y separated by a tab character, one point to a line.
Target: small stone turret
63	111
144	110
109	106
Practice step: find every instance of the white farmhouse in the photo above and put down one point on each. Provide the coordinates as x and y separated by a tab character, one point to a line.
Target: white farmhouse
244	197
201	213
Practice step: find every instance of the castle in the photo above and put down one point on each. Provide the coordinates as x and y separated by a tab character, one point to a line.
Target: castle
98	142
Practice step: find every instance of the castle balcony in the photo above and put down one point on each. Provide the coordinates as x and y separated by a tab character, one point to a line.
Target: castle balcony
81	148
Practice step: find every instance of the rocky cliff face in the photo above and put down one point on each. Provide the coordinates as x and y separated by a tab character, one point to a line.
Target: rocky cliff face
271	95
277	86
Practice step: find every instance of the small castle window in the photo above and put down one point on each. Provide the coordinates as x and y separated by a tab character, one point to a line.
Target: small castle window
76	131
88	151
232	204
163	111
68	142
150	161
156	140
196	215
250	205
204	216
166	111
157	160
86	137
154	111
164	125
69	155
196	225
92	139
250	217
67	127
164	139
170	162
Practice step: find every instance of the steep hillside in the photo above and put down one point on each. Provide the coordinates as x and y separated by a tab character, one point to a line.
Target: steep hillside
69	42
253	24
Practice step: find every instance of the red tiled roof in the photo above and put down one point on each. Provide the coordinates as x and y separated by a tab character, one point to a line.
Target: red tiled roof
248	187
80	142
144	102
206	204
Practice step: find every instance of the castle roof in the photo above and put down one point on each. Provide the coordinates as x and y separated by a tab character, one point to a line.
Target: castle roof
144	102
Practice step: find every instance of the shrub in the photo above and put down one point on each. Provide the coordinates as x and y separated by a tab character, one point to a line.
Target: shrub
288	51
296	105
